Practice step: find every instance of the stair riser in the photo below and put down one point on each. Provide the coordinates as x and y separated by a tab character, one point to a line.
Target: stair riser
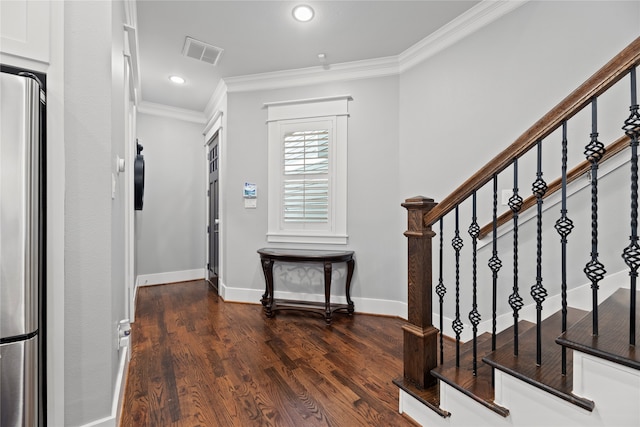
467	411
614	388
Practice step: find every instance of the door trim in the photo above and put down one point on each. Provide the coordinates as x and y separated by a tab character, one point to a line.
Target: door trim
213	218
214	127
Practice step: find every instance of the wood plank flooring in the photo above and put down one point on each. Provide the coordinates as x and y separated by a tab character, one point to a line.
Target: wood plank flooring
198	361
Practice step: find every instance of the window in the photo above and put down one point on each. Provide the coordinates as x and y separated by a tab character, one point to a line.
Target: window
307	171
306	176
305	184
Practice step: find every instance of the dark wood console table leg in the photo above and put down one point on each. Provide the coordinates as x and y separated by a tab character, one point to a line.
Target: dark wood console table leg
350	267
267	298
327	292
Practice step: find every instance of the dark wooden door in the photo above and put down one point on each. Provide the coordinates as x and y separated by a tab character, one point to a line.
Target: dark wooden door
214	241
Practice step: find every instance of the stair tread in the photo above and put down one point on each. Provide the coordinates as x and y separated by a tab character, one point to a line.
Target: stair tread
613	317
548	375
480	386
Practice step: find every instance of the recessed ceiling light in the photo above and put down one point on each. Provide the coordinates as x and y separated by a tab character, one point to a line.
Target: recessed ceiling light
303	13
177	79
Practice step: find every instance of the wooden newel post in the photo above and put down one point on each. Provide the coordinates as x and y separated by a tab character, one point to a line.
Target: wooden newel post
420	336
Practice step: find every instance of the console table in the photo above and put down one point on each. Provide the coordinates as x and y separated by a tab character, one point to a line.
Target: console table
268	256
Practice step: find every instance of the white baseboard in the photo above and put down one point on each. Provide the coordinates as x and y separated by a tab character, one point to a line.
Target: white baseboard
121	382
362	305
118	393
170	277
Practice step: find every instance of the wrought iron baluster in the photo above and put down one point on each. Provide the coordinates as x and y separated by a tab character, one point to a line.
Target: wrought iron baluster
494	263
563	226
457	324
440	291
515	300
631	253
594	269
474	316
538	292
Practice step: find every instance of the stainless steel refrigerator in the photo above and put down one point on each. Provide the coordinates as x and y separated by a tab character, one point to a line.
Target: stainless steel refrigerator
21	242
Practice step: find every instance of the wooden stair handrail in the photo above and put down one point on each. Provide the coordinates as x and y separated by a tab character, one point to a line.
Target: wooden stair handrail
611	150
595	85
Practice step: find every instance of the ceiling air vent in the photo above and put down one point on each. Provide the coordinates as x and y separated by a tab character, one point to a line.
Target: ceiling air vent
201	51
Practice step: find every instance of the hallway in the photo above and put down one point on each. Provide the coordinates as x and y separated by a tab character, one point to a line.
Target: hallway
198	361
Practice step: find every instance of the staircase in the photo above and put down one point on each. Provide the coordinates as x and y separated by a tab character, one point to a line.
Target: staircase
576	366
601	387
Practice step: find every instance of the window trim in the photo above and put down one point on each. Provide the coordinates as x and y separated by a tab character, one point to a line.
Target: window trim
282	114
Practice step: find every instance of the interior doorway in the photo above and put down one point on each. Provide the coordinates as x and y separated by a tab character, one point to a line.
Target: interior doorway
213	228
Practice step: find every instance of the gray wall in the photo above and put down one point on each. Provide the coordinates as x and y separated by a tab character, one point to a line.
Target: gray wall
170	229
94	244
375	225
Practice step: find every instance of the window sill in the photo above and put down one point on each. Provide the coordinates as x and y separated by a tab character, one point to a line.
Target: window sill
307	238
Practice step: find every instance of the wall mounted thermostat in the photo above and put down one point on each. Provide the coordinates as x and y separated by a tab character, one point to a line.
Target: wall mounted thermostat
250	191
250	194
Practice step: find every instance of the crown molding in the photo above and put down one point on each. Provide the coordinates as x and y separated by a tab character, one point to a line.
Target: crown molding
469	22
379	67
171	112
216	99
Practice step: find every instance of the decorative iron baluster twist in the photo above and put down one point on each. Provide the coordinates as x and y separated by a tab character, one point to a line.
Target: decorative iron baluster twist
457	324
594	269
538	292
494	263
515	300
474	316
631	253
440	291
563	226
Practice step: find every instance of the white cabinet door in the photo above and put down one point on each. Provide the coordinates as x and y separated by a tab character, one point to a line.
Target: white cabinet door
24	29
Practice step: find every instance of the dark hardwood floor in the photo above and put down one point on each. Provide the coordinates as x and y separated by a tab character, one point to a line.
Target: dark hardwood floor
198	361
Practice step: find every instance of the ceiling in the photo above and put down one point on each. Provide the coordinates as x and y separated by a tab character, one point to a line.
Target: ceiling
262	37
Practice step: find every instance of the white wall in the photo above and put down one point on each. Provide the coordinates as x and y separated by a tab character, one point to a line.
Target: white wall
375	222
94	244
170	229
463	106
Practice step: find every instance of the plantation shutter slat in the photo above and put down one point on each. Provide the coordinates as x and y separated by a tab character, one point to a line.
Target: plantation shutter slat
306	183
